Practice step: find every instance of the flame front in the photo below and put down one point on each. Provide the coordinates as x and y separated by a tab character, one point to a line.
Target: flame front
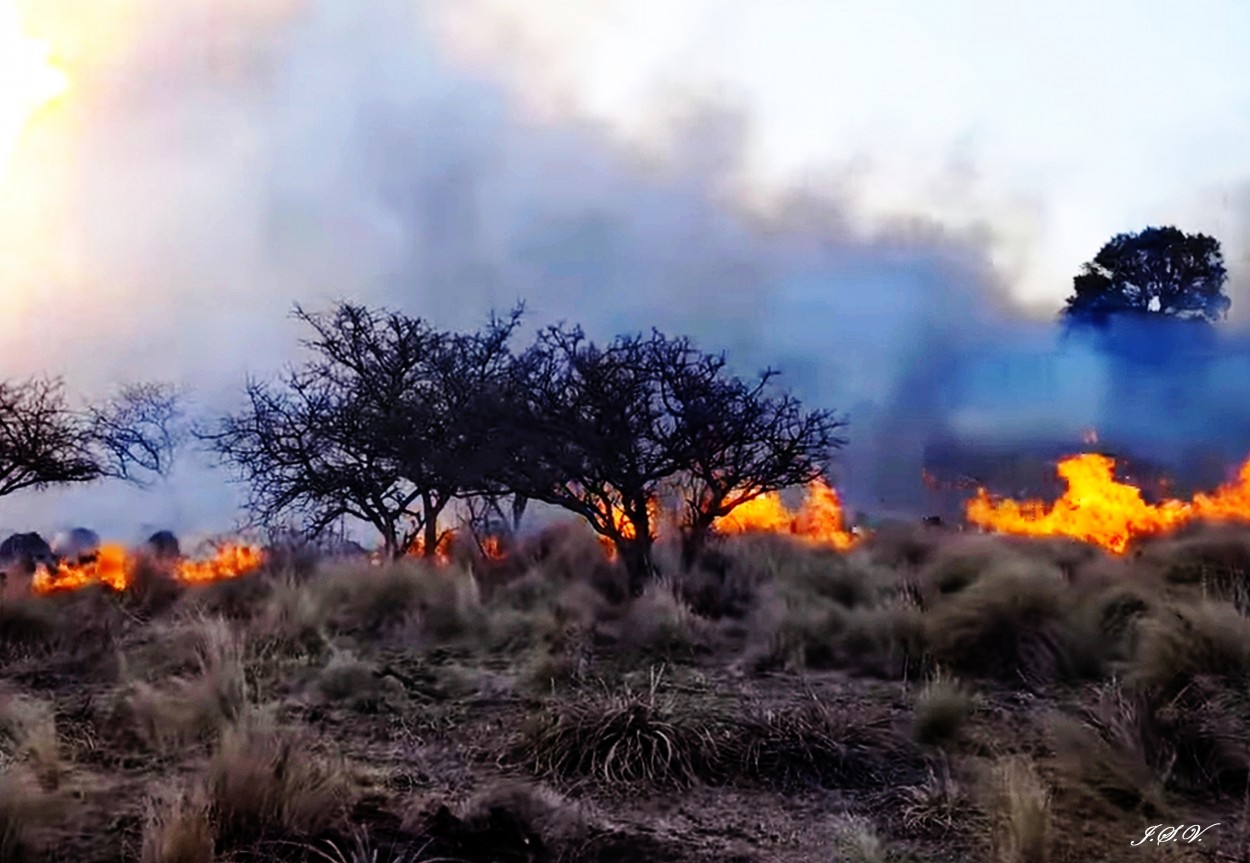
819	520
114	566
1098	509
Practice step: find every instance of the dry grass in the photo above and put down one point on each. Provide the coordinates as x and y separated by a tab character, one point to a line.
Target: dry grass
942	708
30	737
1022	813
423	676
1180	643
857	841
818	744
1009	625
196	706
263	781
28	815
177	829
624	737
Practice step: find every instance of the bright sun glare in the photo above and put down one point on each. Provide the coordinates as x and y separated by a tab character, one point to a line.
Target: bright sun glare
28	80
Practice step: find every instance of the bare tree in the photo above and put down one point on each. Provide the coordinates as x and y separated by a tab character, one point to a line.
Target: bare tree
377	425
740	440
45	442
594	437
308	454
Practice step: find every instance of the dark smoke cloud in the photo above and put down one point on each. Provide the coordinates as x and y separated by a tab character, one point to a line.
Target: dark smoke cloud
336	152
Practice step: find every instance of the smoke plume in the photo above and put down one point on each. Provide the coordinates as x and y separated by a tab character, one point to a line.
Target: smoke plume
225	160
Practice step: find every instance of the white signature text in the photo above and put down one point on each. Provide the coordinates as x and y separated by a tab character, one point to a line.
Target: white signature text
1180	833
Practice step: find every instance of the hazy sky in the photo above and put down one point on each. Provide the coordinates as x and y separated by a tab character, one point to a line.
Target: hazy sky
836	187
1059	123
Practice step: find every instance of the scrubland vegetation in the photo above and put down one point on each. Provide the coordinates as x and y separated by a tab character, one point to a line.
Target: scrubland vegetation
928	696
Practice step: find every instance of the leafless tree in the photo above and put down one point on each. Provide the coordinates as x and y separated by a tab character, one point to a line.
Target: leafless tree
741	440
46	442
594	436
377	425
605	432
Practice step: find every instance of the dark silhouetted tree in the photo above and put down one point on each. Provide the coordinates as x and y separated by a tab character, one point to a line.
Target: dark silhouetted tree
593	436
378	425
1160	271
45	442
605	432
742	440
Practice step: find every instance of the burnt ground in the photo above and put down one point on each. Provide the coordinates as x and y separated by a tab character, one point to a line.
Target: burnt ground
929	697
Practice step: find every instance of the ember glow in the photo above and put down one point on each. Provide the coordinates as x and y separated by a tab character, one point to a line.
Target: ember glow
28	80
1098	509
819	521
114	566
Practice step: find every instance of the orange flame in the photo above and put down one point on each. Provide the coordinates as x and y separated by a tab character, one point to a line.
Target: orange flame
626	527
230	561
114	566
1098	509
820	519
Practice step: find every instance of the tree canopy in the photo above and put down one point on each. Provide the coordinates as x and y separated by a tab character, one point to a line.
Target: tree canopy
1157	272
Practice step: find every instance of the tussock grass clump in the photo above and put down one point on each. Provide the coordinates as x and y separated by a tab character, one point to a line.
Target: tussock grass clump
1110	753
28	734
823	745
793	632
291	620
241	598
1204	638
660	623
939	806
27	622
26	812
1022	813
899	545
176	829
1105	626
1190	677
626	737
263	781
196	706
1009	625
857	841
1214	557
962	560
356	683
942	708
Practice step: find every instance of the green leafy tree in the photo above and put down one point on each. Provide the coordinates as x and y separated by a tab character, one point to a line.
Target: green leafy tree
1157	272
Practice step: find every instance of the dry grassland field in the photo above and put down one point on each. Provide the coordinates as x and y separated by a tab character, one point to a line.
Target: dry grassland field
929	695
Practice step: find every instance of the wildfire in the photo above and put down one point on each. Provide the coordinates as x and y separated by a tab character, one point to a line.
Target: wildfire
819	520
1098	509
114	566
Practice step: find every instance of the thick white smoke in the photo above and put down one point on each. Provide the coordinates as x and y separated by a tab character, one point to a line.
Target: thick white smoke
230	160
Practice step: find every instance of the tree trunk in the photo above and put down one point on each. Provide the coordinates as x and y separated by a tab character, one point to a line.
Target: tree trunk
635	554
693	541
518	510
430	542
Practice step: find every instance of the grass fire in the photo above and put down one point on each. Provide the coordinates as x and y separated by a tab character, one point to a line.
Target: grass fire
1098	509
545	455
